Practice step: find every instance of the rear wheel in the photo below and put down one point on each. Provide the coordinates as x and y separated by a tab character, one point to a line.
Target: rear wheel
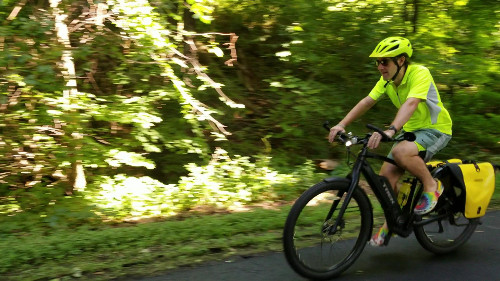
447	232
445	229
310	248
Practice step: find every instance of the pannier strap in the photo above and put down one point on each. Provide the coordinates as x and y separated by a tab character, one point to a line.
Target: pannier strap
474	163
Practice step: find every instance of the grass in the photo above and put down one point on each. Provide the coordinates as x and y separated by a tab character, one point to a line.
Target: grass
142	249
139	249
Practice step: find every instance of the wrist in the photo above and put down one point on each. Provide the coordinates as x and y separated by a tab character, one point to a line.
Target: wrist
341	125
393	128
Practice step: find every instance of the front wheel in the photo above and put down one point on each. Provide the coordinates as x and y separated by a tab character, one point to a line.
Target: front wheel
314	251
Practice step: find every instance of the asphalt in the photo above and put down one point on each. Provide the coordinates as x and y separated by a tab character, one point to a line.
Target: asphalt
403	259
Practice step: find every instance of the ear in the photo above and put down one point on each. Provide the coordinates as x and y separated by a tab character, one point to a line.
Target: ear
401	60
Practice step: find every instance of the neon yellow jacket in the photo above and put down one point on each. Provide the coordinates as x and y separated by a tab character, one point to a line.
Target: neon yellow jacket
417	83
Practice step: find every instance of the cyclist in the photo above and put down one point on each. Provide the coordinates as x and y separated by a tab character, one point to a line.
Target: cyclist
412	90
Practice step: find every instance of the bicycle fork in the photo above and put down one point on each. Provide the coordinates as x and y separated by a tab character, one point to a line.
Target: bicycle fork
353	184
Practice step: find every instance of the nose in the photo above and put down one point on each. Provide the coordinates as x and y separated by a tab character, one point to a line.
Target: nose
380	67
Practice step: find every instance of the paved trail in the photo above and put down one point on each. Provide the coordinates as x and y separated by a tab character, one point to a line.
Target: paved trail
403	259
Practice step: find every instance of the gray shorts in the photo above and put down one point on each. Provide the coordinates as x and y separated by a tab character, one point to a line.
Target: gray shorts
428	141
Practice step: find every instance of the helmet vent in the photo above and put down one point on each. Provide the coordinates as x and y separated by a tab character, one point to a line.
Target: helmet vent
393	48
381	50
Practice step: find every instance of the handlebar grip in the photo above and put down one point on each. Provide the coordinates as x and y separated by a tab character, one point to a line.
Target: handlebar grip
326	125
380	131
341	136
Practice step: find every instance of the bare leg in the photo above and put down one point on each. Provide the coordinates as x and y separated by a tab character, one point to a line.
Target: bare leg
393	173
406	155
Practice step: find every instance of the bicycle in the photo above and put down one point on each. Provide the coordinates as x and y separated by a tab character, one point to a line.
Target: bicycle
338	212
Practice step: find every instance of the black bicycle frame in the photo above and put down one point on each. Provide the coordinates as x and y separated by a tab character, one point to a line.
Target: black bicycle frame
382	190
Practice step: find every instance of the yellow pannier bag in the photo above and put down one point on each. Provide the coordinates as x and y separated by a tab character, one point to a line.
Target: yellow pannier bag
478	182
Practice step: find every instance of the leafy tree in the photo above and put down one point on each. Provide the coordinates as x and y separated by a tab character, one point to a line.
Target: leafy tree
84	85
144	92
324	45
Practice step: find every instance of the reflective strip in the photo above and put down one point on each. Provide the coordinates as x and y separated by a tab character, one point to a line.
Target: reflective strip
432	102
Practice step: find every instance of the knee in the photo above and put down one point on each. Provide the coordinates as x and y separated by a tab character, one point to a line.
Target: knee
398	153
404	150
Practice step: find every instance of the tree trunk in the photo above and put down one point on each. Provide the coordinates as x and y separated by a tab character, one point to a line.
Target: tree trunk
415	15
70	95
189	25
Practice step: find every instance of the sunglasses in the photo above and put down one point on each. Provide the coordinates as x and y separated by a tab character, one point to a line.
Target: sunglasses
384	61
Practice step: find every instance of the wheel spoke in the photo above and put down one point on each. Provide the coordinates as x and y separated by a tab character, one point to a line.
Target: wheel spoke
445	234
317	251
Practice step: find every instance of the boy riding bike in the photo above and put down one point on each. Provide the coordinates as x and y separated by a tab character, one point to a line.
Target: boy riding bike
412	90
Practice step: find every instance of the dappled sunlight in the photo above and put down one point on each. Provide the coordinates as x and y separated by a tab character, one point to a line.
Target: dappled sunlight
118	158
225	183
10	208
324	197
118	113
122	102
131	197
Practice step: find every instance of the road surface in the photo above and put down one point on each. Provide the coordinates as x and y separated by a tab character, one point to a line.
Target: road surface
403	259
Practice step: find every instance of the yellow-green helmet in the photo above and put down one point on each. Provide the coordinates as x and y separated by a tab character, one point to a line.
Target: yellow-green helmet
392	47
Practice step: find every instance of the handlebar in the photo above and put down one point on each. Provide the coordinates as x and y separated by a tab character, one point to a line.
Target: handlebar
385	138
349	139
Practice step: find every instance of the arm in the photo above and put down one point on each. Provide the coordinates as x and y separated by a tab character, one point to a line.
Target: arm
403	115
363	106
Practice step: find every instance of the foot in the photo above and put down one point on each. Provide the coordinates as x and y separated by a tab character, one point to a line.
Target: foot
379	238
428	200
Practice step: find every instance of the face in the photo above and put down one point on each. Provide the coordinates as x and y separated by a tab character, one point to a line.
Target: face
387	67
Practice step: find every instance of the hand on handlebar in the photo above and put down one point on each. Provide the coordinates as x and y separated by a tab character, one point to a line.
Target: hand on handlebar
334	131
376	137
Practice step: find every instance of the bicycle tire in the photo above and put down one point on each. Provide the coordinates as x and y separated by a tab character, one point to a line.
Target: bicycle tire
453	229
447	234
306	221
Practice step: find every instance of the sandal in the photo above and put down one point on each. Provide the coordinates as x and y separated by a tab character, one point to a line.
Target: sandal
429	200
379	238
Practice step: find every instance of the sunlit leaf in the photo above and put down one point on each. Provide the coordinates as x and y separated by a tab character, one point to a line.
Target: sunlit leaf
283	54
217	51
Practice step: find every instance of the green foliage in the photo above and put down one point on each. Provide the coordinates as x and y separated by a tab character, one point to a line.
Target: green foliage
325	45
150	124
113	250
122	197
107	252
236	181
148	109
224	183
126	71
47	211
